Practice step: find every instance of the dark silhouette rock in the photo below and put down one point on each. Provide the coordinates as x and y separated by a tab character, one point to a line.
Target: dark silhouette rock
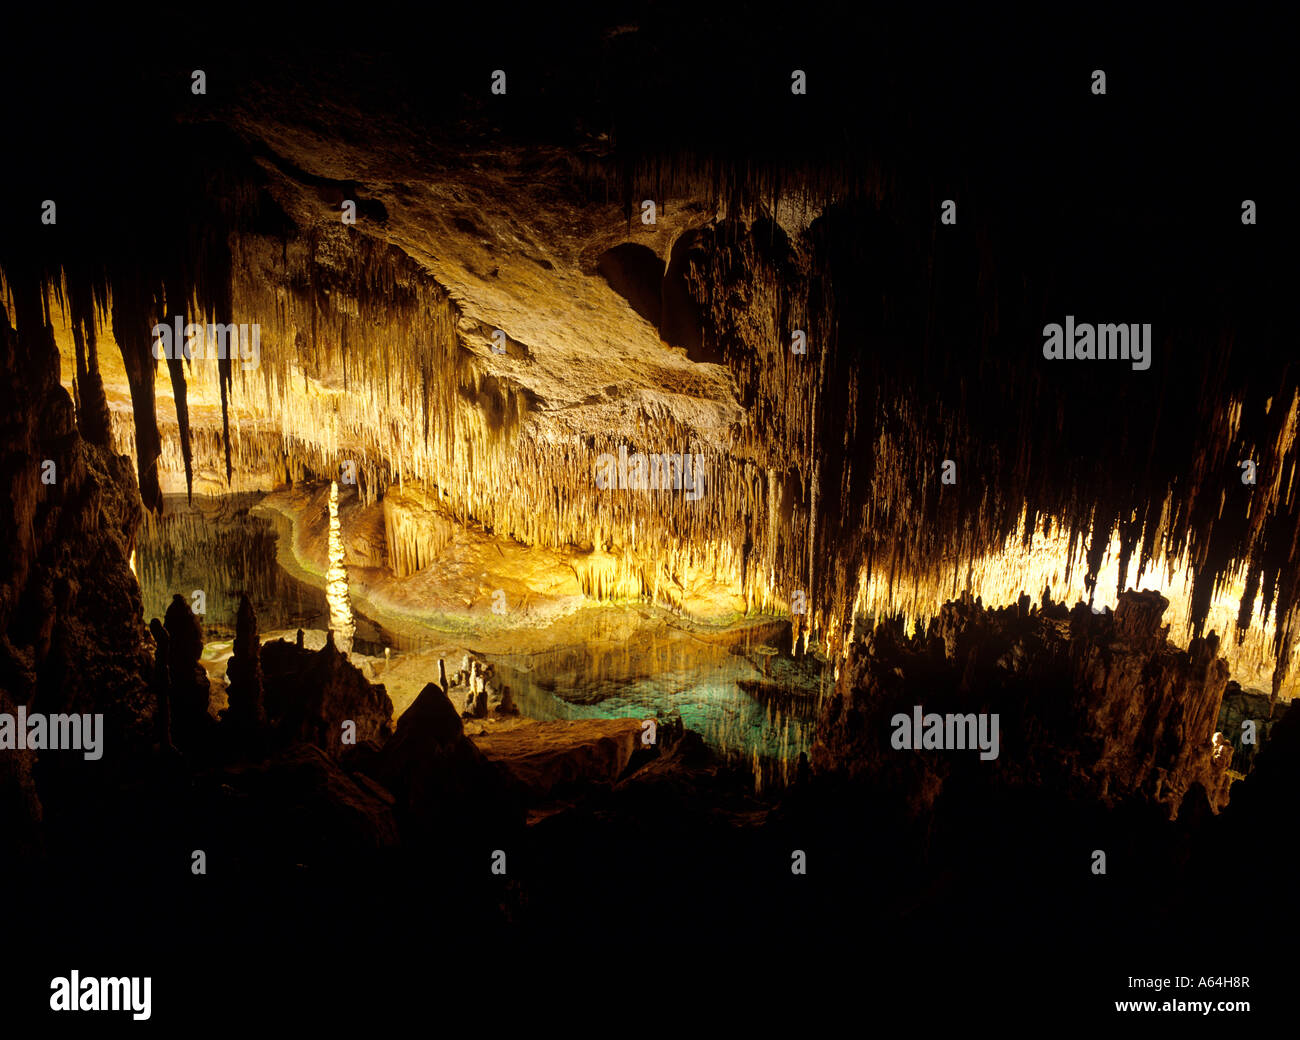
190	690
310	694
1103	704
162	683
20	804
441	780
246	716
298	810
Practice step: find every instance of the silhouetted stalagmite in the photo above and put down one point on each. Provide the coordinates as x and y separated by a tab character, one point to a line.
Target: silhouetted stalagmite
162	682
189	682
247	712
440	778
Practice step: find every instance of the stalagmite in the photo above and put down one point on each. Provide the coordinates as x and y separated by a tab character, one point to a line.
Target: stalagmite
823	480
162	684
336	581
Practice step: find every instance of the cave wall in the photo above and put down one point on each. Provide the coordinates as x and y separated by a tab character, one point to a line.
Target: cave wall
72	635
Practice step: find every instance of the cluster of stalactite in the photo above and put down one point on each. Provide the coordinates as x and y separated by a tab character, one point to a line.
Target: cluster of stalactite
111	260
218	551
361	373
415	529
257	448
361	365
920	349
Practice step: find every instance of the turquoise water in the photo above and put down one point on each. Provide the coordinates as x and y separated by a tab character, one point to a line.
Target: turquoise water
667	673
732	687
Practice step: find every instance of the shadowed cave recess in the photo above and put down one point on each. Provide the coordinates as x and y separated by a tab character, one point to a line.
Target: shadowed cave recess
380	594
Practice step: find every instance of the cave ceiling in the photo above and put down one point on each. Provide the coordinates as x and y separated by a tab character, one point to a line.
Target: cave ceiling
501	313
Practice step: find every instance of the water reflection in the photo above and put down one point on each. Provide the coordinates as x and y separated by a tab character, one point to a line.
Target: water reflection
732	687
216	547
729	688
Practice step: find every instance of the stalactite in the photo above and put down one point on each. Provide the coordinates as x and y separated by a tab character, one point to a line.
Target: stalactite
179	301
415	528
80	309
829	485
131	314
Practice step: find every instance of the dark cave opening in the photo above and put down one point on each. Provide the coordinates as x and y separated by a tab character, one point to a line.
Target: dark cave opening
681	324
635	273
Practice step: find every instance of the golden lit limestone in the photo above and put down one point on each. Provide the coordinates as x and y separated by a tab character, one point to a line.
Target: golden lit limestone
416	529
375	351
336	581
1056	561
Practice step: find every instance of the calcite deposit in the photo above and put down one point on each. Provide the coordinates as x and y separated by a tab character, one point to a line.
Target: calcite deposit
609	477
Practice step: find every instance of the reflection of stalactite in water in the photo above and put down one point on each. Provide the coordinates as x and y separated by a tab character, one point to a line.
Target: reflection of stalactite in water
217	547
336	581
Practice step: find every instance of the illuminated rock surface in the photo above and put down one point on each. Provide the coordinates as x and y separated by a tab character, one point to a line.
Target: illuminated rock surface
406	474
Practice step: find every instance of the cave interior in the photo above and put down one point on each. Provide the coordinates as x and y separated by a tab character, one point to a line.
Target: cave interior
651	479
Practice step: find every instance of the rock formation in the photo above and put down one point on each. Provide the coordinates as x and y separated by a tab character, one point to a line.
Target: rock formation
1100	703
443	783
342	625
547	757
311	694
246	715
162	683
190	690
72	634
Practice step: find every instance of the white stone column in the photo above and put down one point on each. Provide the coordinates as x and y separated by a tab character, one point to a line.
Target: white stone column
336	581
